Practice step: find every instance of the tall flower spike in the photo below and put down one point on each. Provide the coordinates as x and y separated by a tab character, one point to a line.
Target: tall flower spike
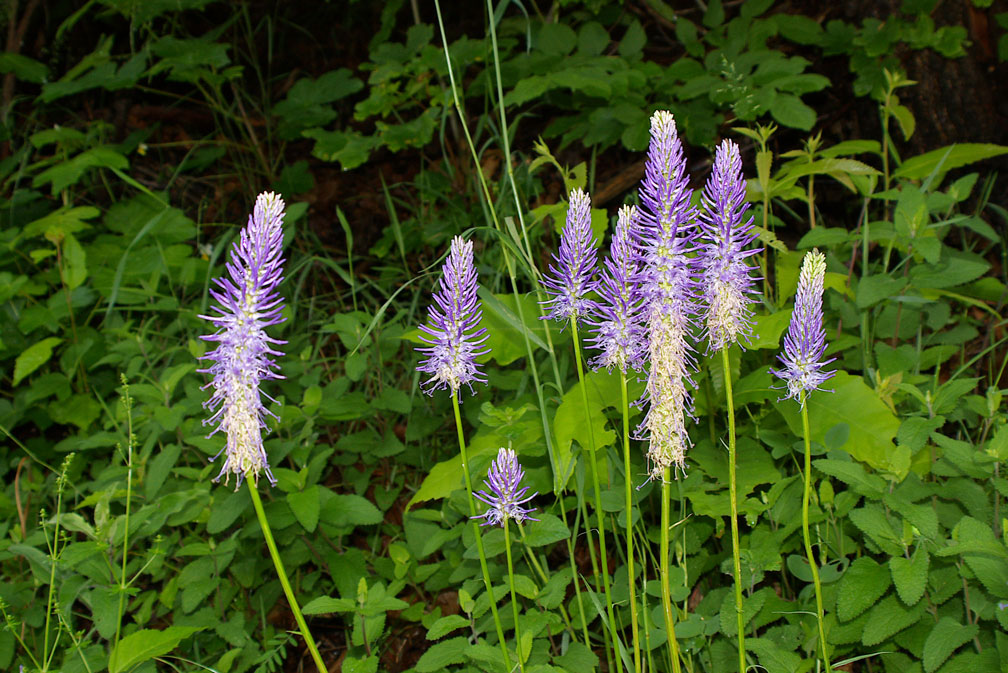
668	293
805	342
571	278
453	330
506	495
726	280
619	333
247	303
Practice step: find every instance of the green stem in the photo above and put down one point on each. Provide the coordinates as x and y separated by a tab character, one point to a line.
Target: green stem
600	516
534	562
574	572
476	531
808	539
282	574
666	498
514	598
736	564
631	575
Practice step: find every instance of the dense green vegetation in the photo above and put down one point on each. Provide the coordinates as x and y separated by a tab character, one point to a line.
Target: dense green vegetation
136	136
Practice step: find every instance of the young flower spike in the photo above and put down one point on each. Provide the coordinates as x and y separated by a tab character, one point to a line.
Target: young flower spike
453	330
805	342
247	303
619	332
726	279
667	289
506	495
571	279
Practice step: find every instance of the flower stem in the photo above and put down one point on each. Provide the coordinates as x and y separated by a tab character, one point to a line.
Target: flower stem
666	498
600	516
631	575
732	488
476	531
808	539
514	599
282	574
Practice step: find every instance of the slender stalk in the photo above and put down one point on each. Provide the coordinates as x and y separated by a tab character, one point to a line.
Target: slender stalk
574	572
282	574
599	515
736	564
128	402
514	599
808	539
631	575
476	531
666	593
534	562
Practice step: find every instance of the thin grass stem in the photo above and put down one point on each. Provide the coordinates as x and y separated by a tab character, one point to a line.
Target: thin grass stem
808	539
732	489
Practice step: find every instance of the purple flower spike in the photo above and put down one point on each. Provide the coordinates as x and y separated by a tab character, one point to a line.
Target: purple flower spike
507	495
571	279
455	336
668	292
247	303
619	332
726	279
805	341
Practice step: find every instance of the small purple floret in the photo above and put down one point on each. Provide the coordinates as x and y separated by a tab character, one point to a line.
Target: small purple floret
452	328
506	495
726	280
247	303
805	342
570	279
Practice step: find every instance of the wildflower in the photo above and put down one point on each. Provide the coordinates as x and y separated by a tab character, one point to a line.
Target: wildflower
506	495
667	290
805	341
726	279
247	303
571	279
619	333
453	319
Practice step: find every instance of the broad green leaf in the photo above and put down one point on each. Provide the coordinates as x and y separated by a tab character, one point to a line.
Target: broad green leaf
945	638
324	605
768	329
872	521
864	582
75	262
789	110
888	618
547	530
146	644
569	422
910	575
306	506
946	158
355	665
446	625
345	510
872	424
442	655
873	289
26	69
505	331
854	475
34	357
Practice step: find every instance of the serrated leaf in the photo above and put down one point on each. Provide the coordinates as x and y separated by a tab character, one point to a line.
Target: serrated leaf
854	475
888	618
446	625
324	605
306	506
146	644
871	520
946	158
945	638
864	582
910	575
442	655
350	510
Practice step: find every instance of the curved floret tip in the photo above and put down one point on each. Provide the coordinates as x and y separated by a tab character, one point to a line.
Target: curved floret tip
570	278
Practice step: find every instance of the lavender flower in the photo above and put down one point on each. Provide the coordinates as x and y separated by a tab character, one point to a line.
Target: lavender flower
571	279
727	281
668	291
506	495
453	325
805	342
248	303
619	333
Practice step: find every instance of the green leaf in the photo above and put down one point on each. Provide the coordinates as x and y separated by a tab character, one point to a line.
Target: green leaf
945	638
864	582
75	262
910	575
34	357
905	119
146	644
873	289
343	510
442	655
578	657
873	426
569	424
789	110
888	618
547	530
355	665
324	605
854	475
505	332
871	520
446	625
26	69
947	158
306	506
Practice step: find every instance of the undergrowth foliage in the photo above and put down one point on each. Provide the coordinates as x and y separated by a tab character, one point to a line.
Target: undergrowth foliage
784	455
